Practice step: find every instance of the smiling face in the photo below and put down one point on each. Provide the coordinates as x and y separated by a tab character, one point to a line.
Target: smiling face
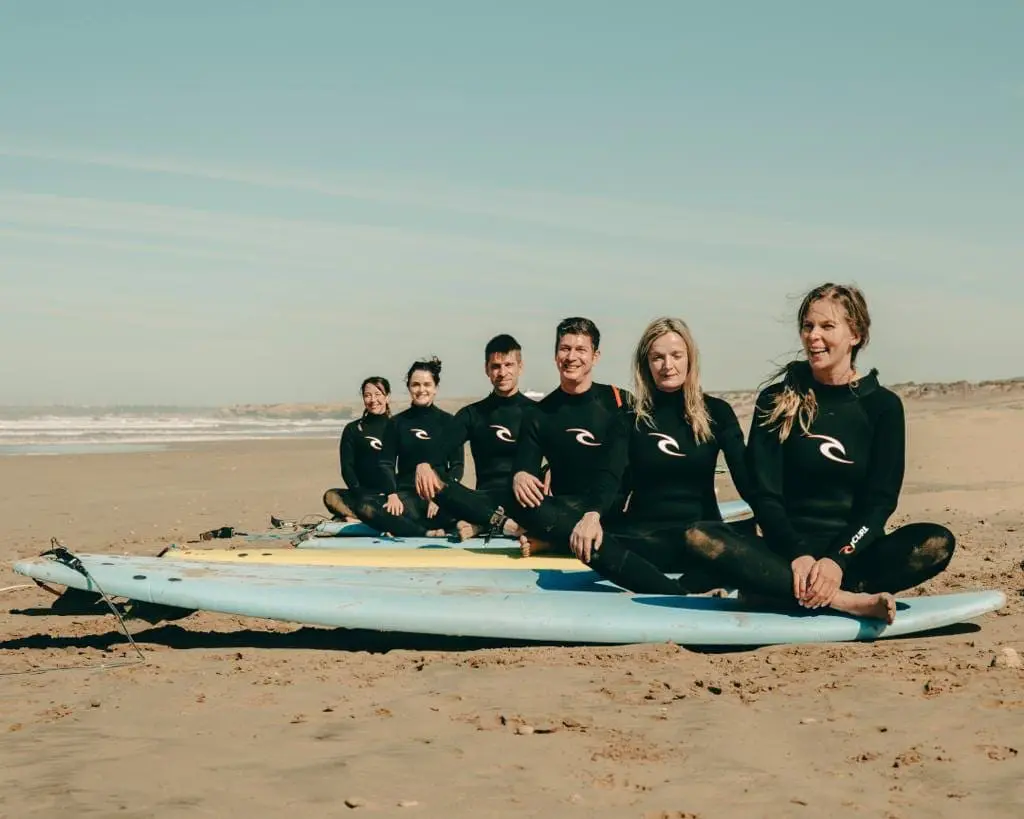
669	362
375	400
422	388
503	371
575	357
828	341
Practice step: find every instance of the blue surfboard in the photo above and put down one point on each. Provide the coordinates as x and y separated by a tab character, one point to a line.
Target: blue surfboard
452	603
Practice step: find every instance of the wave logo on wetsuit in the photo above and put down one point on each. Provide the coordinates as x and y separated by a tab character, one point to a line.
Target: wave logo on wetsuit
375	443
503	433
419	433
584	436
667	444
831	447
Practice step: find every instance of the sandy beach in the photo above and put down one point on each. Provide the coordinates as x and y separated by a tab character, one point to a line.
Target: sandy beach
231	716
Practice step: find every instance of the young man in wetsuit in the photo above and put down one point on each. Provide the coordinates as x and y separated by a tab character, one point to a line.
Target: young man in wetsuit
492	428
580	430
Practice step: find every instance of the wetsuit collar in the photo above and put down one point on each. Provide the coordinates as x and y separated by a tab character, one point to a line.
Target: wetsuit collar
798	376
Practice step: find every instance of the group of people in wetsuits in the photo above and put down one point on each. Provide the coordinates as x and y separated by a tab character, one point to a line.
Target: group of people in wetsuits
625	479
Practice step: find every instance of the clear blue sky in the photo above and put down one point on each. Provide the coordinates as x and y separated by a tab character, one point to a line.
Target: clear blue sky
215	202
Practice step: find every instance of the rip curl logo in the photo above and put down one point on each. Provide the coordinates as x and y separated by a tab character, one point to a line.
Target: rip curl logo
850	547
667	444
503	433
420	433
375	443
831	447
584	436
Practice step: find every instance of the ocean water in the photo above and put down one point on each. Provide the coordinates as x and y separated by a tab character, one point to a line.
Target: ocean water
68	432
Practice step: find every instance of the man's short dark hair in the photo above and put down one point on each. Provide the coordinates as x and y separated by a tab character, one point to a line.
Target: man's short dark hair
578	326
502	345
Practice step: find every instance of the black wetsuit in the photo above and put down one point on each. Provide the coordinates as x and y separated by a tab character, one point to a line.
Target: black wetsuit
418	435
360	451
672	476
672	483
827	493
584	440
492	428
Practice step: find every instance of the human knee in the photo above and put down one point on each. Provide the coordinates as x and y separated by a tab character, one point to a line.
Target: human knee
938	546
706	538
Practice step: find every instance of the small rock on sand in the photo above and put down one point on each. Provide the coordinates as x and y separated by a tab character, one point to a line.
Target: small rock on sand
525	730
1007	658
408	803
355	802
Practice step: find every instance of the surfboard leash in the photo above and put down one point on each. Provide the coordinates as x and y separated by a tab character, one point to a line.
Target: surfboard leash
61	554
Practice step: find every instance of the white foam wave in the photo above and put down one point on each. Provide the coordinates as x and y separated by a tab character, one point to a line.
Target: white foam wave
139	429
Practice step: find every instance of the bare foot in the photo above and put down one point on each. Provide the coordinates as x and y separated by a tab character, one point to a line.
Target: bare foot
436	533
467	530
512	529
880	606
531	546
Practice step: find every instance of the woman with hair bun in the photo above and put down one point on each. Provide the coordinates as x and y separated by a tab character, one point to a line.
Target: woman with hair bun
417	436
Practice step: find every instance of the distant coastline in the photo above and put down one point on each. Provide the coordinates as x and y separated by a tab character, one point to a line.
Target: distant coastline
346	410
738	398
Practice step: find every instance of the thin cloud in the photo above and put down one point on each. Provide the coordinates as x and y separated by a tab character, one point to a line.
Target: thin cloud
606	217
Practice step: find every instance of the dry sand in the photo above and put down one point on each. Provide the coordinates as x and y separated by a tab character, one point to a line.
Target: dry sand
230	716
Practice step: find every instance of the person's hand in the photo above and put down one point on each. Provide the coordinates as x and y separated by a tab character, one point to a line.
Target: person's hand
428	483
586	536
822	583
801	569
547	482
529	491
394	504
432	509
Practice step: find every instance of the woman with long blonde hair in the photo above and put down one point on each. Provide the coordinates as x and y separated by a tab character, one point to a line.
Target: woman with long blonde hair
676	434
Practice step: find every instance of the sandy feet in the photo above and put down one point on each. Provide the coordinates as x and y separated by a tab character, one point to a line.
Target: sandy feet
532	546
466	530
880	606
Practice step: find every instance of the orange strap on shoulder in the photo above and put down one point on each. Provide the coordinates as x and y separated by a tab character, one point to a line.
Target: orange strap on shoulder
618	396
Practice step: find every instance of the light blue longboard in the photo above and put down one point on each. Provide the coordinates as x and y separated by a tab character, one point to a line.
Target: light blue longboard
335	534
460	603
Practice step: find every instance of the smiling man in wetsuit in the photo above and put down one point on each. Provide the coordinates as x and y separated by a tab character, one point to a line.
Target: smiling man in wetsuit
580	430
492	428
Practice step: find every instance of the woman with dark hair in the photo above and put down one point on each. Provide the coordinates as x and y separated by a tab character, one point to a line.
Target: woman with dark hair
826	452
417	436
360	449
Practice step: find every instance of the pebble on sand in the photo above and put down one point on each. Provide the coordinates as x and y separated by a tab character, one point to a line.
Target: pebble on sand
525	730
1007	658
408	803
355	802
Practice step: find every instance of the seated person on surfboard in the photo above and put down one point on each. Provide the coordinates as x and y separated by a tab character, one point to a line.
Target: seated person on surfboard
418	435
826	452
491	426
360	448
579	429
675	434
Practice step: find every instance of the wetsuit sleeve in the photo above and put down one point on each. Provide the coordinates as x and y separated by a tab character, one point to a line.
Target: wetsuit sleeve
347	455
455	436
456	451
389	459
729	435
880	493
607	481
765	464
529	454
